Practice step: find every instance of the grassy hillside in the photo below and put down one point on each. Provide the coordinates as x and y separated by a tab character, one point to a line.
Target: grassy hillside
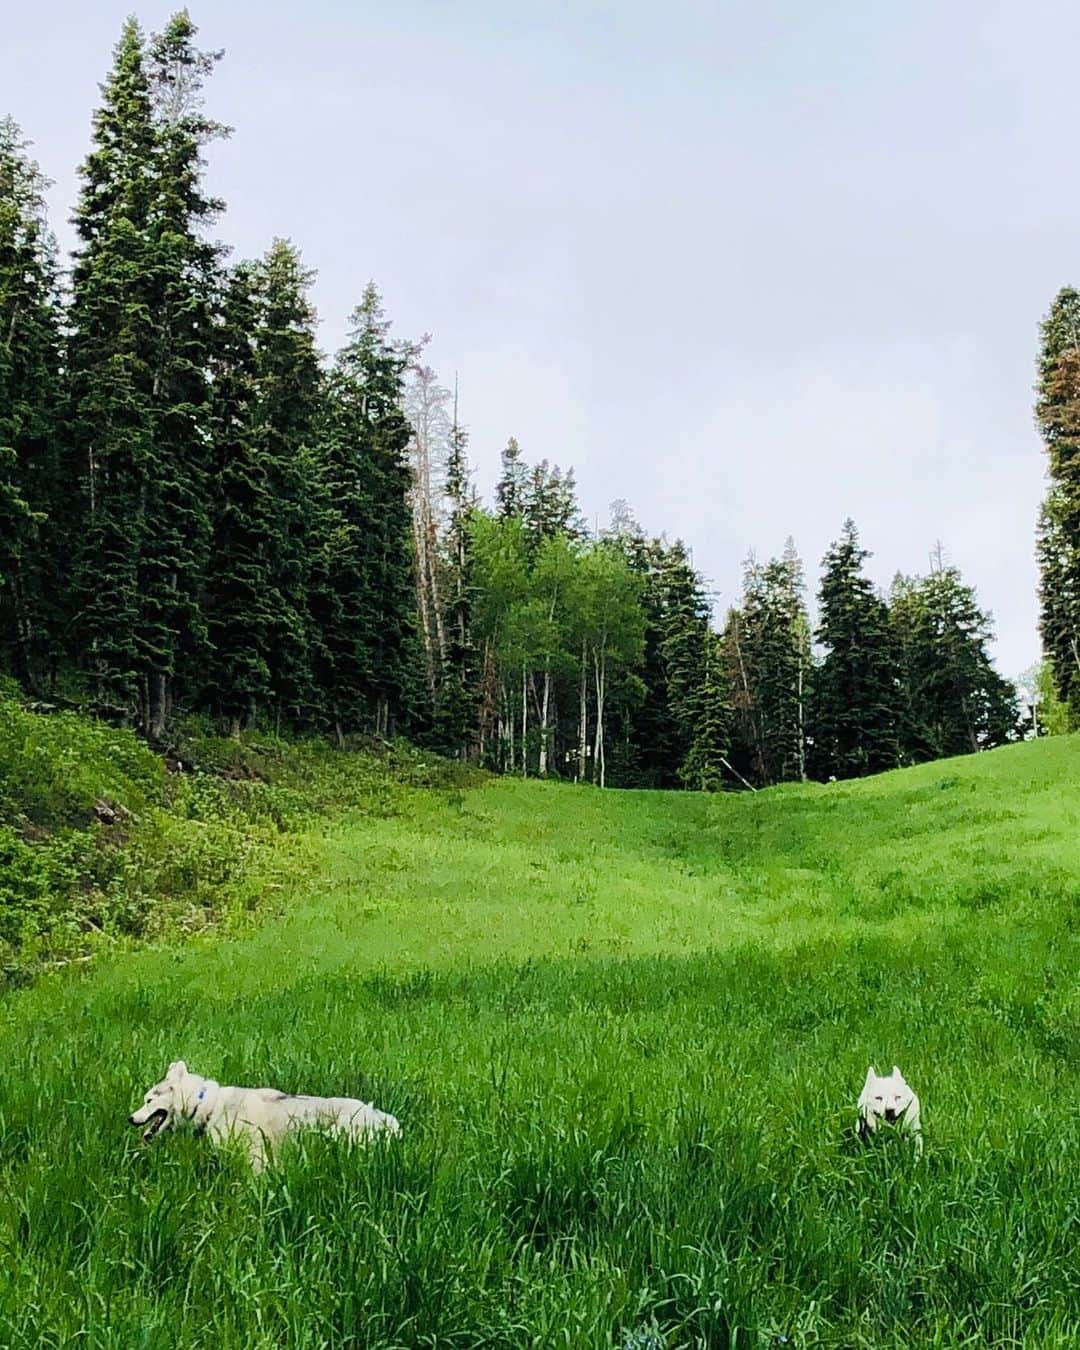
624	1033
103	842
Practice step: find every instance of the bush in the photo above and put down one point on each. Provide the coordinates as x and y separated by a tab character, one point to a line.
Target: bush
24	888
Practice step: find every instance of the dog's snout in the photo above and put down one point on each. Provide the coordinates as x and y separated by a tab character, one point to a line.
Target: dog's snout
890	1114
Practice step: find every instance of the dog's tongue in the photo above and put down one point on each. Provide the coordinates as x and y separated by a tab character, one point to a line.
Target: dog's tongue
156	1122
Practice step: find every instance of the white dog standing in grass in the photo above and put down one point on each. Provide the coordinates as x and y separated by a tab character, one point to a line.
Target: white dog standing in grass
889	1100
260	1118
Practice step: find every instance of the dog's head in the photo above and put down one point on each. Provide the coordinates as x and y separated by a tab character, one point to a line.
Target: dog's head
173	1099
887	1096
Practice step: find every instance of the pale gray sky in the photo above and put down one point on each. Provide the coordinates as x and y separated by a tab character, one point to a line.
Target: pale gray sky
753	266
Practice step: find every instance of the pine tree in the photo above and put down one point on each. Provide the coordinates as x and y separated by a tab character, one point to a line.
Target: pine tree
770	640
512	488
32	505
955	701
367	595
695	689
141	329
857	702
703	765
1058	414
268	485
654	751
547	502
240	603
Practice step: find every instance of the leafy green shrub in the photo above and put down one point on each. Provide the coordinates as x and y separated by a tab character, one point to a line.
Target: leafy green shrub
54	768
24	887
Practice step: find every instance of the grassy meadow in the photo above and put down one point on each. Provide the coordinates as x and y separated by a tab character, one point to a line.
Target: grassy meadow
624	1033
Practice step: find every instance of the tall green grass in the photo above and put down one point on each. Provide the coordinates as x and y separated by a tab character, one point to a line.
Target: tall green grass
624	1033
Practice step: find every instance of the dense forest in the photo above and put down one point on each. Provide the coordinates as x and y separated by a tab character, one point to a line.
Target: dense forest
202	514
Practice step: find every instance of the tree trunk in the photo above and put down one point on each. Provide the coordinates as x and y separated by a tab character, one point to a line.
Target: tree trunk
508	726
583	717
156	704
524	723
543	767
600	671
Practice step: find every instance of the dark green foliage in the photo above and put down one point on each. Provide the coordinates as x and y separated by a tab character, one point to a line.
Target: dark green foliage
513	485
196	517
767	657
549	504
31	391
141	323
364	599
857	698
266	495
955	702
703	765
1058	414
696	695
655	750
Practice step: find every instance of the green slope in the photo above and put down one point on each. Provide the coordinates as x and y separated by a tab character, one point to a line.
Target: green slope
624	1033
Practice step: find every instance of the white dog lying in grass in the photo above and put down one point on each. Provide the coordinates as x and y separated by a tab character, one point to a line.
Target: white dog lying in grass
260	1118
890	1100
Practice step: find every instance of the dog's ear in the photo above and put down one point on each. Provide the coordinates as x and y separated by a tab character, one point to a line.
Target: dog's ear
177	1069
897	1074
871	1076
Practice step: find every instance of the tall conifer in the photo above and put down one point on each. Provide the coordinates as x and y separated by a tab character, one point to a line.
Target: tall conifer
857	689
32	501
141	320
1058	414
367	598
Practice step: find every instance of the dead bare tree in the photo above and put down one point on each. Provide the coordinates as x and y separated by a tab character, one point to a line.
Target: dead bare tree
427	407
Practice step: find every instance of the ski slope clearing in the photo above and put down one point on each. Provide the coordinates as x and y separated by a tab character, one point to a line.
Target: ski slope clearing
624	1034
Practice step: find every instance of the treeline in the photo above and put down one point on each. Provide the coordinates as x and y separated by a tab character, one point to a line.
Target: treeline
202	513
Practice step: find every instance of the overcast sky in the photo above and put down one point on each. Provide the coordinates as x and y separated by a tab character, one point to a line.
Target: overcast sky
754	267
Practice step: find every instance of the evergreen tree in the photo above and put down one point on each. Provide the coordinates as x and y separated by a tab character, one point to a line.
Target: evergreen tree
1058	414
696	696
32	503
703	765
141	329
240	603
955	701
547	502
366	599
772	678
653	750
513	485
857	702
268	495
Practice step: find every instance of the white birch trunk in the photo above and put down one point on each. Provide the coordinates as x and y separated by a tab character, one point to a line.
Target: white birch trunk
524	723
583	716
600	672
543	766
